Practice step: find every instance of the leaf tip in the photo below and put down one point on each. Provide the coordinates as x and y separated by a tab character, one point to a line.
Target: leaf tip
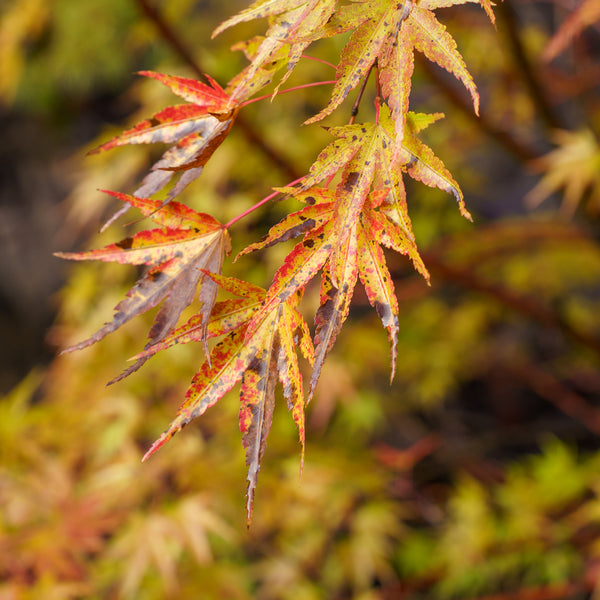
157	444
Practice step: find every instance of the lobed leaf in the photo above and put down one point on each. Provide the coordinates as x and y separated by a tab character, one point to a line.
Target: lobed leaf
430	37
258	10
177	257
212	98
382	19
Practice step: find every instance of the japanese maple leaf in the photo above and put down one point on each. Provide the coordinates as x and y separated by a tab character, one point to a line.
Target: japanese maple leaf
585	14
259	353
365	156
196	130
358	254
389	32
176	253
293	24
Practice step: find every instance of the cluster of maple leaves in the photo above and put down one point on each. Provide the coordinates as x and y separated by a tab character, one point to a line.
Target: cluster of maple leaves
343	226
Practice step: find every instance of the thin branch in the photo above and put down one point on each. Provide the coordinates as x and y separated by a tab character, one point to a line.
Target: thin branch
248	131
320	60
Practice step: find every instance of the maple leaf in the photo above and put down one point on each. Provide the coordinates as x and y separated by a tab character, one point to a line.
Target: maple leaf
197	129
257	352
586	14
574	165
176	252
389	32
358	253
294	25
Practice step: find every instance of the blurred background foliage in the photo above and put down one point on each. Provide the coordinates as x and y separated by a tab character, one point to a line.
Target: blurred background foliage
476	474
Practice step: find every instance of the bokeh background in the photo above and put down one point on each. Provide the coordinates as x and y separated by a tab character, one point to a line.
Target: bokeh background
475	474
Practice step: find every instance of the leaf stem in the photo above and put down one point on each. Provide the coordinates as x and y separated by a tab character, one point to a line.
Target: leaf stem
292	89
356	104
325	62
377	92
259	204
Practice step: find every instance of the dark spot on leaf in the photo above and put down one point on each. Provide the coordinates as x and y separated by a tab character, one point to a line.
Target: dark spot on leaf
155	276
351	181
384	311
125	244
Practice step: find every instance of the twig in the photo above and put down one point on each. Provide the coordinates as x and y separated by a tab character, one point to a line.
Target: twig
247	130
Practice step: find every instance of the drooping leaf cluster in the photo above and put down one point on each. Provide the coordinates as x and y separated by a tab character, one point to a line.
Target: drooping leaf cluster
354	206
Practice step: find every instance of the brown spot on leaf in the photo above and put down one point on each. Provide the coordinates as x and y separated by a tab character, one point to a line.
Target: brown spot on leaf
351	181
125	244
